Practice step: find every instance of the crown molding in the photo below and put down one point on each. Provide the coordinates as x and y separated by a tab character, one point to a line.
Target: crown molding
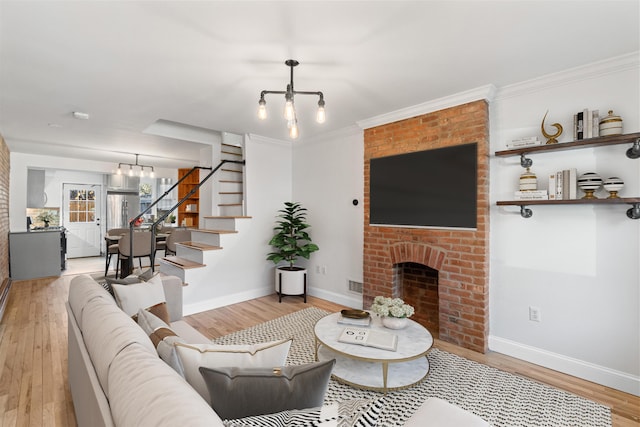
264	139
613	65
486	92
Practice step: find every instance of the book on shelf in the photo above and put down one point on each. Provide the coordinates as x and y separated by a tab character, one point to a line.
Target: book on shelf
586	124
579	126
364	321
369	338
531	195
563	185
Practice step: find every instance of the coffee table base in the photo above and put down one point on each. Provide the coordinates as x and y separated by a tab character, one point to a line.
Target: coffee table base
371	375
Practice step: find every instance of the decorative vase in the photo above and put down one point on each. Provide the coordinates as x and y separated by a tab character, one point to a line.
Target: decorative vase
46	224
613	185
394	322
611	125
589	183
528	181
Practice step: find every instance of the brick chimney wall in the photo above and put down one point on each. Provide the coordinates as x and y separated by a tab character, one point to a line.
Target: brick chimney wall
461	257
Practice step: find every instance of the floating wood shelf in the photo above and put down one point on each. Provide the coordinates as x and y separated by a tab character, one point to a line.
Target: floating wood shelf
632	153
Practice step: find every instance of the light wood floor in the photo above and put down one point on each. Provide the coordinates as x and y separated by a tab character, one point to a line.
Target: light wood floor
33	354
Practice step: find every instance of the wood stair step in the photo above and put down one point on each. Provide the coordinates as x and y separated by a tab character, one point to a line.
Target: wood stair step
206	230
228	181
231	153
182	262
229	204
199	246
228	217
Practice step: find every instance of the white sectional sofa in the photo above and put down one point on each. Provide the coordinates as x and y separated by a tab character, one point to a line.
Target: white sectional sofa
117	379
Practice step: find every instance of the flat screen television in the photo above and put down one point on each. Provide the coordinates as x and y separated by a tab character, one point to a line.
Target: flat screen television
432	188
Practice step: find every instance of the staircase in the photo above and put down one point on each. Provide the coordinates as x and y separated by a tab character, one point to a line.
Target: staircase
211	246
230	182
195	260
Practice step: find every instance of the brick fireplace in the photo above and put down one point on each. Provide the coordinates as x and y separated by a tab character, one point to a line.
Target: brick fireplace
451	264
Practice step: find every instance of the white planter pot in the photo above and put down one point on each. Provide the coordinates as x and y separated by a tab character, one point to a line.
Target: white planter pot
291	282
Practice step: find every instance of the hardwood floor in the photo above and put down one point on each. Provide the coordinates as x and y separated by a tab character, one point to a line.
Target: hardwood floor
33	354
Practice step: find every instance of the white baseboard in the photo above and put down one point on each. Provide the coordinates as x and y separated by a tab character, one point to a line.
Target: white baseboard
213	303
578	368
346	300
210	304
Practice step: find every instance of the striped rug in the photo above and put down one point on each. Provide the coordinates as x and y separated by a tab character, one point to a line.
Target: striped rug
501	398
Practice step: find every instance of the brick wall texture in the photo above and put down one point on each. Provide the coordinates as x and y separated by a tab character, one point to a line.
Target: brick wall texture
461	257
4	210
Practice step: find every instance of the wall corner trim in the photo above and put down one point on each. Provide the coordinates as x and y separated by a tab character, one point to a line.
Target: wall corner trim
486	92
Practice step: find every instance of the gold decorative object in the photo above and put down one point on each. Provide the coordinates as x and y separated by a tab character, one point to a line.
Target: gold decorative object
551	139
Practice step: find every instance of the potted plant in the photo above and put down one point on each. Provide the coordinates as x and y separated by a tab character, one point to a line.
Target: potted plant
291	241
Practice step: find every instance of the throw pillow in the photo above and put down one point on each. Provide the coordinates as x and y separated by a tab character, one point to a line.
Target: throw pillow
131	298
242	392
348	413
162	337
193	356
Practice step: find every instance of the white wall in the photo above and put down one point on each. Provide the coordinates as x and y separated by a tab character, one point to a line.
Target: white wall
578	264
327	176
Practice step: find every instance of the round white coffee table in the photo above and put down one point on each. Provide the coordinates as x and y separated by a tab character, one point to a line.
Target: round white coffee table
371	368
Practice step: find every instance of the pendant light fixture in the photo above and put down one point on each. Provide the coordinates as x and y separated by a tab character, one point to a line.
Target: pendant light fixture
131	171
289	106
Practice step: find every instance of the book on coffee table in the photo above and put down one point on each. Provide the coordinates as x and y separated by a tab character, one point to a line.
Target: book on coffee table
369	338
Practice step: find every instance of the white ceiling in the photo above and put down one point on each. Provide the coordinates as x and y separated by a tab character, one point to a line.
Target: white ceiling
203	63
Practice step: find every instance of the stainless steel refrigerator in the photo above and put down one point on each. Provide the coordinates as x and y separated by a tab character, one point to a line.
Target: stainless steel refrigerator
121	207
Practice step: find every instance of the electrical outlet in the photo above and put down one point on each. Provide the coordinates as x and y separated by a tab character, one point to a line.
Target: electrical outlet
318	269
324	269
535	315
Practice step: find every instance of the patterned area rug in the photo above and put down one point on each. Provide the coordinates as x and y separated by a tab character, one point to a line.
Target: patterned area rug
501	398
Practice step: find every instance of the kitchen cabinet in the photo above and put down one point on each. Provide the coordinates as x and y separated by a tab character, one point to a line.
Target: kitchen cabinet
34	254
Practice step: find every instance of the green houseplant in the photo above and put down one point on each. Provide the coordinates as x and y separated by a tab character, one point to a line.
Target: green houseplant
291	241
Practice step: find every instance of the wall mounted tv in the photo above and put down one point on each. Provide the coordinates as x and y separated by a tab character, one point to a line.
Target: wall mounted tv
433	188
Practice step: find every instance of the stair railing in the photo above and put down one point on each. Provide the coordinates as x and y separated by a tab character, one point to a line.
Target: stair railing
166	214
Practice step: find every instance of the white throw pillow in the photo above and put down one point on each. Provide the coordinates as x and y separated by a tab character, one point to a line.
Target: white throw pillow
131	298
263	355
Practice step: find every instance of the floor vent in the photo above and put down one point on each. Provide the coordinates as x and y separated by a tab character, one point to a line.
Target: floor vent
355	286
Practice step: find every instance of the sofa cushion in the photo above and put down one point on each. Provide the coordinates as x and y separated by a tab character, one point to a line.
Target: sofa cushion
83	289
163	338
347	413
132	298
263	355
147	392
242	392
106	331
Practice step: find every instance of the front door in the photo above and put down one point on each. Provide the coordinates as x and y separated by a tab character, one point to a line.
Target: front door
81	219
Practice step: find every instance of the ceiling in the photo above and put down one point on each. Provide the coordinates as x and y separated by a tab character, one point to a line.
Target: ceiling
200	66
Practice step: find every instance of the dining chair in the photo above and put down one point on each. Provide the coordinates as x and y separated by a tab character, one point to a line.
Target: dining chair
176	236
141	247
112	247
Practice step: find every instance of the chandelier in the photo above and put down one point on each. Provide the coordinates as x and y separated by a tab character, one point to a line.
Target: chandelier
137	165
289	107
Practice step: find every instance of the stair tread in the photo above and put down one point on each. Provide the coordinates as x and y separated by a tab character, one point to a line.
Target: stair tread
229	204
208	230
227	216
182	262
200	246
230	181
